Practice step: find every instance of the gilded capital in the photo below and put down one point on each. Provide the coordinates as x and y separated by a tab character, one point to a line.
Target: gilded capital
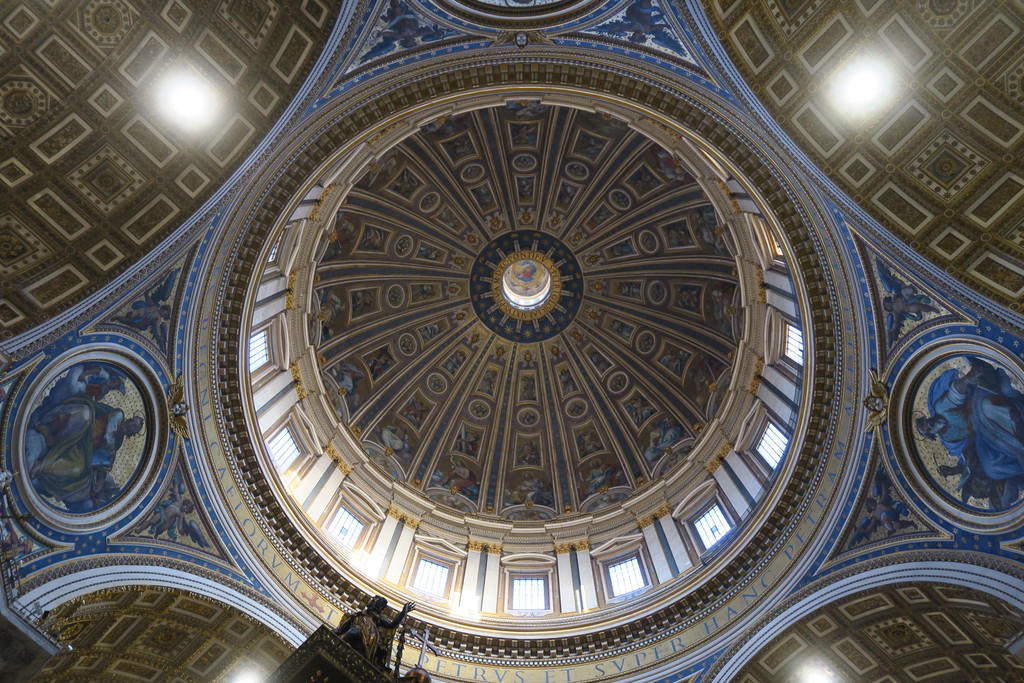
300	389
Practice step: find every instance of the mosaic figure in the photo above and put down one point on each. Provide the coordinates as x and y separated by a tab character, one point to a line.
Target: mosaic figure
170	517
883	515
529	488
904	303
76	433
600	475
662	437
457	476
975	411
152	314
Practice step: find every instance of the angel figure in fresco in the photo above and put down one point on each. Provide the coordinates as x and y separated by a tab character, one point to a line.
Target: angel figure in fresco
170	516
151	313
347	377
903	303
979	418
531	490
642	20
881	511
709	231
600	475
396	438
404	29
13	544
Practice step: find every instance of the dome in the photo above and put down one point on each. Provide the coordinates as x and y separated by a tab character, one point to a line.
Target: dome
526	310
525	328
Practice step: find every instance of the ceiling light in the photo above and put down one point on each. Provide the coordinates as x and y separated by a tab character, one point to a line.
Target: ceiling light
187	99
248	676
815	673
862	86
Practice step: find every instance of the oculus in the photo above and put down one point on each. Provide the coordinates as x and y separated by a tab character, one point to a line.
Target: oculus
526	282
526	285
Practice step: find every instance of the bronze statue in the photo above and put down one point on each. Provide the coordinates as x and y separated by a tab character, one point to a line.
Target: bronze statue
369	633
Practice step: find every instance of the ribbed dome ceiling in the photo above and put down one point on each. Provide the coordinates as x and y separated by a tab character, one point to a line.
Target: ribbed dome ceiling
526	414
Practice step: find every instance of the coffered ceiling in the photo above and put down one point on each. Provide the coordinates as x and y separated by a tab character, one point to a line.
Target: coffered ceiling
154	634
93	173
939	164
909	632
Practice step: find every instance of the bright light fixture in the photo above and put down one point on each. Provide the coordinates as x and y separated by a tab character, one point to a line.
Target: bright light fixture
187	99
815	673
862	86
248	676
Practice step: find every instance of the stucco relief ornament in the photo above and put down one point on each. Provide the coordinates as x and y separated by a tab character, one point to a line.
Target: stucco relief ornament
877	402
521	38
178	408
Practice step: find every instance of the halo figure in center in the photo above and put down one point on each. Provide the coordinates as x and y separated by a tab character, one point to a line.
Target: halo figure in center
526	284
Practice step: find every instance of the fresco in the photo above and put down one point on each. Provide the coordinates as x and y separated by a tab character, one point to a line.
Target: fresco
150	314
5	392
400	28
529	488
87	437
903	304
458	476
14	543
882	515
643	22
175	517
599	475
968	431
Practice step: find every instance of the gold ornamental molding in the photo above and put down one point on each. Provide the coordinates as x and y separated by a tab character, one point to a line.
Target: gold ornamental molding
300	388
290	301
480	546
569	547
649	520
403	518
719	458
319	203
335	456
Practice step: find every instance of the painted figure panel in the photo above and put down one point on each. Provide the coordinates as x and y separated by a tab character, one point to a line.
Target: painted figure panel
458	475
150	314
529	488
600	474
87	437
968	429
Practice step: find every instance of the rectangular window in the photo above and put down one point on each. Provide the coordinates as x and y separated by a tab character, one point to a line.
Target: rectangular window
345	528
626	577
431	578
794	344
712	526
283	449
772	445
273	253
529	594
259	351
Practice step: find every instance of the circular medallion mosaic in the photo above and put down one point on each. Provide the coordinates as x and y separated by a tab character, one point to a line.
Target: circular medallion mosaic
526	286
964	429
87	438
